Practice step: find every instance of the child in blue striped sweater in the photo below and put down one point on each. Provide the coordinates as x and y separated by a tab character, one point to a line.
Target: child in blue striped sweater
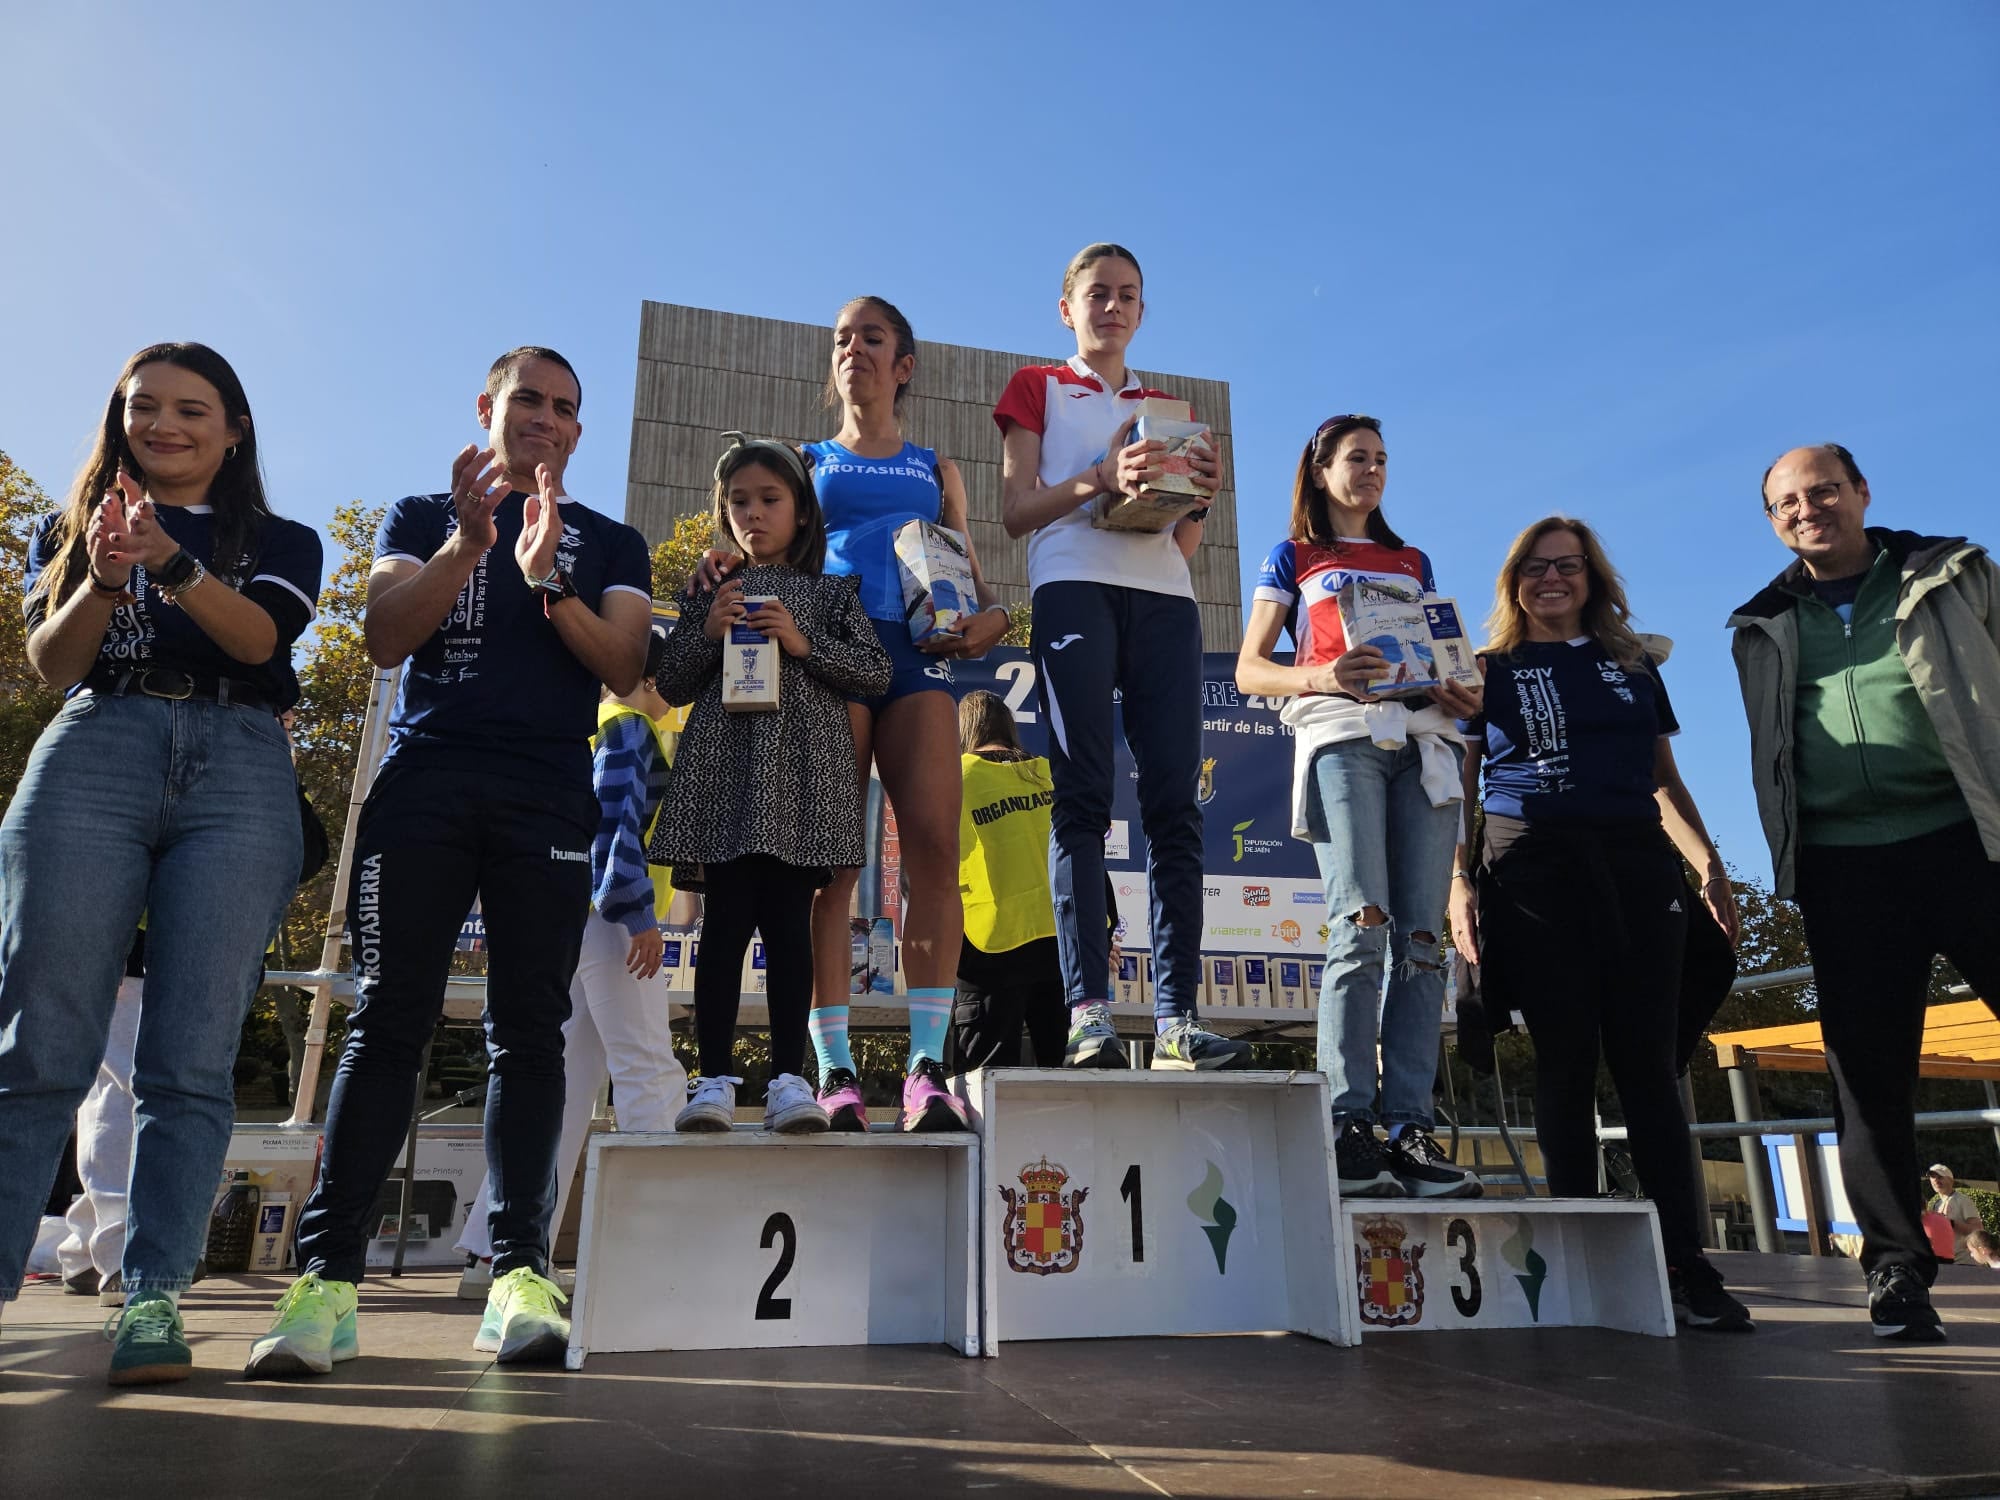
618	999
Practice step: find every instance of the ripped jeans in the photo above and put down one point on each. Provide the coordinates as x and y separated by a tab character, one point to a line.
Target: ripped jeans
1380	843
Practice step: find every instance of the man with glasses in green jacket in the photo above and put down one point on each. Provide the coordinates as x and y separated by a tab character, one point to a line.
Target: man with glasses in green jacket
1870	671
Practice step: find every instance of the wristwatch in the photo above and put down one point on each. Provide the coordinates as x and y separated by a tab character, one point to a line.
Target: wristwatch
176	570
554	588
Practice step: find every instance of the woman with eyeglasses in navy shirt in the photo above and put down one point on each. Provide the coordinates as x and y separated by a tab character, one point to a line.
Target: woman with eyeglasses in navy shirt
1575	907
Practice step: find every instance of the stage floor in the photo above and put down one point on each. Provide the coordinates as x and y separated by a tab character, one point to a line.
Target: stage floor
1811	1404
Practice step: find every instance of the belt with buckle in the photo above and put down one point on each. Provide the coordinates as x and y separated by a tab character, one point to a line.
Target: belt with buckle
176	684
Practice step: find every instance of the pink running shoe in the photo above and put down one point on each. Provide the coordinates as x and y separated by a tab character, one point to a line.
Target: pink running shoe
840	1097
927	1105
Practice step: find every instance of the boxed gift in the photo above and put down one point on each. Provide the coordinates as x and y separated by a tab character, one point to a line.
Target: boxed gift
936	571
1177	491
750	665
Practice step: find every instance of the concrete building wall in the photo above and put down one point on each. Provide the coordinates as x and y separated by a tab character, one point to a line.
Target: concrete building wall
702	373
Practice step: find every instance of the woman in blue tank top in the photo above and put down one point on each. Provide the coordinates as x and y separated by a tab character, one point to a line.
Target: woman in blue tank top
870	481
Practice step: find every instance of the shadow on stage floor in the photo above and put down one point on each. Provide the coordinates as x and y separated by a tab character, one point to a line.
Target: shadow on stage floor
1811	1404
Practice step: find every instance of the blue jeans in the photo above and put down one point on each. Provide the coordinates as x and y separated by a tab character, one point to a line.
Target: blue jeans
1380	843
1089	639
435	832
188	813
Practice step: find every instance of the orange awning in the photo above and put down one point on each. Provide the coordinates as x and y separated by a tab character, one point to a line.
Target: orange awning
1961	1040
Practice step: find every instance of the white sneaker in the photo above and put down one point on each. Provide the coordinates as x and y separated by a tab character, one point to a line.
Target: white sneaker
477	1278
790	1108
711	1105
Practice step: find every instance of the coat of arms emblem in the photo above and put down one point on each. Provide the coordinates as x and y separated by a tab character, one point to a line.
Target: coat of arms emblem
1204	792
1043	1229
1390	1274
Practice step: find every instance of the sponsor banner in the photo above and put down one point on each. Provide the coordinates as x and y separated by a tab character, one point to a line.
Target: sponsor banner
1261	885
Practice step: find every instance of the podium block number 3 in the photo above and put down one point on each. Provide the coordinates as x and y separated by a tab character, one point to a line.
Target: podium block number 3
1458	1235
778	1227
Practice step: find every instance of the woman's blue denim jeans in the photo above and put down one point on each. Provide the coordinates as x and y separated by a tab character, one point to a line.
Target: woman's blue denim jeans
187	812
1380	843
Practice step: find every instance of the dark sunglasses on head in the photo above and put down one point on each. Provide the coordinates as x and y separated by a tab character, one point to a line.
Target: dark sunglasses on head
1568	565
1347	416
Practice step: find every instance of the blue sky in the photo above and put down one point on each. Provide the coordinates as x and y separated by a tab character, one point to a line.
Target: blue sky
1604	259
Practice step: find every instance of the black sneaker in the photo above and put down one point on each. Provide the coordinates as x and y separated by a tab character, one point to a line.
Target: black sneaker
83	1284
1424	1170
1363	1167
1702	1301
1899	1305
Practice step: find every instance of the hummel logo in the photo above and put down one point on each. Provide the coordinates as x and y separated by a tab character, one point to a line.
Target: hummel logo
1675	904
572	856
1066	640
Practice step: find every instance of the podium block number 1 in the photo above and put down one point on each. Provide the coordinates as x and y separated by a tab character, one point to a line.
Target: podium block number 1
778	1227
1133	1192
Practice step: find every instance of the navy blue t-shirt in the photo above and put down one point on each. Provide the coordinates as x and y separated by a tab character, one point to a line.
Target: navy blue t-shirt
281	574
1570	733
495	684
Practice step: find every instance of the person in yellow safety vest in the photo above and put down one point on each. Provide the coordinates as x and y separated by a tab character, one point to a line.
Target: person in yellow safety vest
1008	970
619	997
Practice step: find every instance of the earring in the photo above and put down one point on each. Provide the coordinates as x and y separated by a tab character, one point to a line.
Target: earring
230	454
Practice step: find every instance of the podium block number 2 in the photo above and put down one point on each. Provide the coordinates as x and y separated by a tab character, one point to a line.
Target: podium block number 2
778	1227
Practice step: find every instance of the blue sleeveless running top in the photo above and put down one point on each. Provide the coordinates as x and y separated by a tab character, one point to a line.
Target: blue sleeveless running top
865	500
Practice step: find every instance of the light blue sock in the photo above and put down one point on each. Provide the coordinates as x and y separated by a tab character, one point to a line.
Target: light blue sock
930	1013
828	1027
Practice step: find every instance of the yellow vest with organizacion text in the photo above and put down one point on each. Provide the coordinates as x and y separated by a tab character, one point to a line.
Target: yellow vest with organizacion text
1003	852
666	732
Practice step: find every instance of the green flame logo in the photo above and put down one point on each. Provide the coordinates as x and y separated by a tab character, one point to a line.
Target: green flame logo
1531	1270
1217	1215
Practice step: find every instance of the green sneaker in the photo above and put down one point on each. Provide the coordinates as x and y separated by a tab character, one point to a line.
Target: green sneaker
531	1331
1185	1048
314	1330
148	1346
1093	1040
487	1340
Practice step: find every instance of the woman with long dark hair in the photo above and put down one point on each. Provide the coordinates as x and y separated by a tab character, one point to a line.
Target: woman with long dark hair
1580	916
1375	792
164	599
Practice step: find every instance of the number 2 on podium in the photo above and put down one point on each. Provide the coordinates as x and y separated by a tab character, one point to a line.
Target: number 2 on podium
778	1227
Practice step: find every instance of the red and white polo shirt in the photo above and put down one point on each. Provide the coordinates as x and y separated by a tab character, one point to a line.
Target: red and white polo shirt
1076	414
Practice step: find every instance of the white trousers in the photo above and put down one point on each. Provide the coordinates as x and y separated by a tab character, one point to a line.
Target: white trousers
617	1025
96	1218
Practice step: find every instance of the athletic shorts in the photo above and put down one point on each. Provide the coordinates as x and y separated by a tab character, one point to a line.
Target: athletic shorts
910	670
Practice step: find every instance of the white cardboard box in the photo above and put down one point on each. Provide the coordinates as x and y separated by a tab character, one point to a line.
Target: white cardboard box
1219	982
1288	983
1254	981
1134	1204
747	1240
750	666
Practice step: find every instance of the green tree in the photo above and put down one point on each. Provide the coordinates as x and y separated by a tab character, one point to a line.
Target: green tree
26	702
674	560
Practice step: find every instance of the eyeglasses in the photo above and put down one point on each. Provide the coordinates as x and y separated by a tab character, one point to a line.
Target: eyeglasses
1820	497
1347	416
1569	566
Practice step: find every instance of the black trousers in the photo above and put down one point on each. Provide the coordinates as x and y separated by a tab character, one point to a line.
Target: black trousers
431	838
999	993
1582	930
754	894
1876	918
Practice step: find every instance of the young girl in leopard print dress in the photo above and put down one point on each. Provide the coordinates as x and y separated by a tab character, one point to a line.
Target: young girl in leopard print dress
764	806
